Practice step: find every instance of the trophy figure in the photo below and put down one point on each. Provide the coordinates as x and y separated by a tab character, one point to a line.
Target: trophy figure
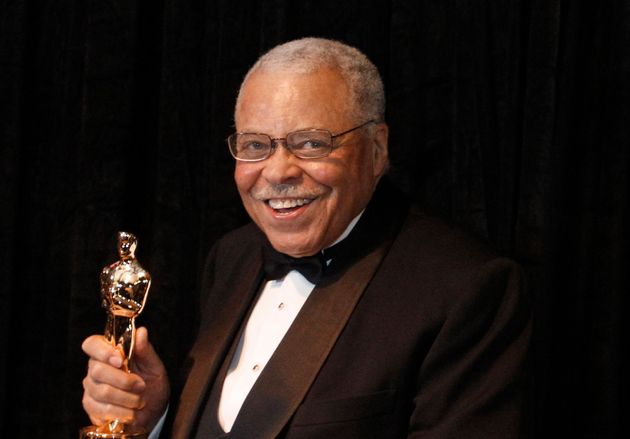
124	288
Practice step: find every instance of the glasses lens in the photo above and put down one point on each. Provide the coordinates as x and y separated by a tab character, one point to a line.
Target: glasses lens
246	146
310	144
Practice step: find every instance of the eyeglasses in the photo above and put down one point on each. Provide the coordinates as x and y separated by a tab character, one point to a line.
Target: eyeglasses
305	144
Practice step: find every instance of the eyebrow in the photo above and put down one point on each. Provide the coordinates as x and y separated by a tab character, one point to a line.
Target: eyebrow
288	132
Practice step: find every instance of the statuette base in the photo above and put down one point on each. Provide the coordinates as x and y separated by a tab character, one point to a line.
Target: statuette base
92	432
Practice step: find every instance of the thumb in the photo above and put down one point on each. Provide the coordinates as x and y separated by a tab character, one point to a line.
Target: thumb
146	361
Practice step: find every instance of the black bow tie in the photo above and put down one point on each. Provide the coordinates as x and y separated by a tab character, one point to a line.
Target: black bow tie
277	265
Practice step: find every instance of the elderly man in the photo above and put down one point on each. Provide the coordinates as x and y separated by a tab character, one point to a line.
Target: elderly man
341	312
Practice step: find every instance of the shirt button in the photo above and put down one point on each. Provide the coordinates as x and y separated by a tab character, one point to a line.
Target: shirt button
281	306
256	368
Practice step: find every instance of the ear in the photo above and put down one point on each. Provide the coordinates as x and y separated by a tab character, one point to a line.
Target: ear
380	152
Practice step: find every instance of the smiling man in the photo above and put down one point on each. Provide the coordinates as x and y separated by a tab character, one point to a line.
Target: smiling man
341	311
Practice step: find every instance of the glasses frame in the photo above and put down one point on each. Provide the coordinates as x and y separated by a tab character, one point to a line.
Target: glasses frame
231	141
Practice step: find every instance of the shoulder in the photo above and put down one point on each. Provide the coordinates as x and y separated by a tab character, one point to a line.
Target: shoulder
428	235
238	242
447	263
417	233
233	248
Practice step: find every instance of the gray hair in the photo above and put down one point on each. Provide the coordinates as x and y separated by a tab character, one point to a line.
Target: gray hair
308	55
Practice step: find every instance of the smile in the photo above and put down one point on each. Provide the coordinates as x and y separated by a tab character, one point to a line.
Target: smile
287	203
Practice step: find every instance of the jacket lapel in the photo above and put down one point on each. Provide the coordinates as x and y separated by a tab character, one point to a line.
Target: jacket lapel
292	369
213	342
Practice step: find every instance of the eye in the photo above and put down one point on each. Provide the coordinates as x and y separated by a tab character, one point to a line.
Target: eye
252	145
311	144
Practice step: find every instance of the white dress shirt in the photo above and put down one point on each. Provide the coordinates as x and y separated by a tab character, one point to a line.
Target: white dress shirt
275	310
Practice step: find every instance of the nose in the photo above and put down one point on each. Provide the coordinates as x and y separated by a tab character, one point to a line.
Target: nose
282	166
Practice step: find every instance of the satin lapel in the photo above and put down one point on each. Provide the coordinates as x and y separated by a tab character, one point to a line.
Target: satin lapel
293	367
212	343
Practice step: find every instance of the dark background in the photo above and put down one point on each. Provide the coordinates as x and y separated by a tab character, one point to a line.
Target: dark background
510	117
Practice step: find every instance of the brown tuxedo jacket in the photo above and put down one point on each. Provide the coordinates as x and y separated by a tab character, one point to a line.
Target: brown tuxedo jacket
424	334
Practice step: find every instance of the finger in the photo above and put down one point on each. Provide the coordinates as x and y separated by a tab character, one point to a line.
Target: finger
103	373
100	413
142	340
146	360
106	394
98	348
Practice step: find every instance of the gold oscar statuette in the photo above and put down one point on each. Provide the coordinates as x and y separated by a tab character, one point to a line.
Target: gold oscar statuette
124	288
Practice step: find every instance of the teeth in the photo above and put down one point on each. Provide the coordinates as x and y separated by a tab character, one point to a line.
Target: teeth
288	203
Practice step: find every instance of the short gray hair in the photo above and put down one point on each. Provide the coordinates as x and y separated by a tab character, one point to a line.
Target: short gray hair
308	55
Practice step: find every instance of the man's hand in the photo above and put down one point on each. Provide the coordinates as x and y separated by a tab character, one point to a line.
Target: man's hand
138	398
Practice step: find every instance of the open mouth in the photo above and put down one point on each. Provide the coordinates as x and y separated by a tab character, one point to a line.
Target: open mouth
287	205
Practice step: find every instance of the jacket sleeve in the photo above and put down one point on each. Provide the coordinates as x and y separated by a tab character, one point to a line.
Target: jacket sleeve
471	383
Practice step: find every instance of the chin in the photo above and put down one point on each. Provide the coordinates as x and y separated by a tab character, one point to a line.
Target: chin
292	248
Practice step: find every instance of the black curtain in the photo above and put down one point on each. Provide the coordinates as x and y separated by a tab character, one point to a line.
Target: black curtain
509	117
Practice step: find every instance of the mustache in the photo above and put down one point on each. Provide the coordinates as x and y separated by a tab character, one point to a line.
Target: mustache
283	190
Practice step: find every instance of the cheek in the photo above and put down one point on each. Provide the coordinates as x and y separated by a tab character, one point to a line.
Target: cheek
350	179
331	174
245	176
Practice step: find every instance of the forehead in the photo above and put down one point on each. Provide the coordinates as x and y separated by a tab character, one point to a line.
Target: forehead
280	102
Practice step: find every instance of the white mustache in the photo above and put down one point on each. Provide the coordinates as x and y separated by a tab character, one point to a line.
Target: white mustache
283	191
